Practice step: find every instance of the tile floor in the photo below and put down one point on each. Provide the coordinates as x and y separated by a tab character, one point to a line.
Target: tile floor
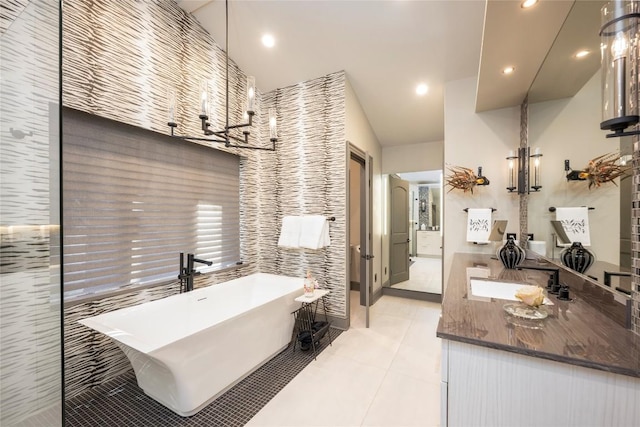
425	275
387	375
121	403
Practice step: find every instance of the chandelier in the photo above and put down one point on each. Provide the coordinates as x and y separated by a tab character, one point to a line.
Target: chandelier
225	135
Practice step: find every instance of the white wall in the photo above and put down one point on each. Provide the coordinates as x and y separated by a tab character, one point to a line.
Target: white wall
386	209
471	140
412	158
569	129
359	132
414	217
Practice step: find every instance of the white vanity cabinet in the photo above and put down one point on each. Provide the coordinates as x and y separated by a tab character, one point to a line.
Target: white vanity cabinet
497	368
429	243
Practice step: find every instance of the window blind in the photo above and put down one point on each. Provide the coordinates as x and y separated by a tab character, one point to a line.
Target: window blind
134	199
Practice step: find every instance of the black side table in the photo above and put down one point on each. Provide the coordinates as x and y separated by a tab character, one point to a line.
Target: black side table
305	319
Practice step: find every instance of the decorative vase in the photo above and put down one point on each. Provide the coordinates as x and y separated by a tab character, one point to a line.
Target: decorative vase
577	257
309	285
511	255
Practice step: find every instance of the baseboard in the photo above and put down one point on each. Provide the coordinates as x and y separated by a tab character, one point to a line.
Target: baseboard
405	293
338	322
376	296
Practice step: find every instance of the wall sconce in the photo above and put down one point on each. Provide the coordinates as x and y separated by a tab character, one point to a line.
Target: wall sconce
574	175
511	159
423	206
618	48
517	177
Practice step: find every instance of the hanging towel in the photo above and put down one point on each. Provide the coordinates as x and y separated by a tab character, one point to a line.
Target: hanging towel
478	225
575	222
314	232
290	232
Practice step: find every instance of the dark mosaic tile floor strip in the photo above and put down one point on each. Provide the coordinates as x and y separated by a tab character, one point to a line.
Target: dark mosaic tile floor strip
120	402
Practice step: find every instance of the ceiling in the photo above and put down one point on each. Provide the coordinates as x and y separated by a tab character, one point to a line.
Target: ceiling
425	177
387	47
541	44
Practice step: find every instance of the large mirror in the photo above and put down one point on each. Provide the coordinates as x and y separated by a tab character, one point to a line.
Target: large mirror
564	123
414	219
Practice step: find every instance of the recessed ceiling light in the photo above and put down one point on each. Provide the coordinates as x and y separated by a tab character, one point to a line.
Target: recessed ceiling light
268	40
582	53
508	70
422	89
528	3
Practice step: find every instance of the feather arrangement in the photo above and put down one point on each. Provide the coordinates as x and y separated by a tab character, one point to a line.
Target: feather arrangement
603	169
465	179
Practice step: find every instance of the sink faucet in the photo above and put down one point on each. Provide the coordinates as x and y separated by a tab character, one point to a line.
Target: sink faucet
607	280
555	276
187	273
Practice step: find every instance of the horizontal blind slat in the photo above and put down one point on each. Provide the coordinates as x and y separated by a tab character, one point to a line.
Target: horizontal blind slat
135	199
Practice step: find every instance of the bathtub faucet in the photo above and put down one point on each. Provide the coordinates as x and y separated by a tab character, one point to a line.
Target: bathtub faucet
203	261
187	272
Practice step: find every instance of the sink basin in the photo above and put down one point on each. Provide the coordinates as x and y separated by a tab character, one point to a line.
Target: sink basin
485	289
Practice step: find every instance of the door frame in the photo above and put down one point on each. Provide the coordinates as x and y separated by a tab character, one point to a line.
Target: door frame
366	227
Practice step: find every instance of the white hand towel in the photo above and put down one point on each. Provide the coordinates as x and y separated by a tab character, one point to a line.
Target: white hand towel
478	225
314	233
290	232
575	222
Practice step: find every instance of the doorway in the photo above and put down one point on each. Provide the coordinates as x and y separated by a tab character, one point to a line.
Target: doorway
359	247
414	209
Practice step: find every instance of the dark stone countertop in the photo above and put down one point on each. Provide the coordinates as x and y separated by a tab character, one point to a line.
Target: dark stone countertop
575	332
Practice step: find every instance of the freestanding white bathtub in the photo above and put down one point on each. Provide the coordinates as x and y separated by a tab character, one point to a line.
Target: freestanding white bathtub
187	349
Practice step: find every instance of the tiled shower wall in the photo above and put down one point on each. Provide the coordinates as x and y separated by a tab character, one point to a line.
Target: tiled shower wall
154	46
30	315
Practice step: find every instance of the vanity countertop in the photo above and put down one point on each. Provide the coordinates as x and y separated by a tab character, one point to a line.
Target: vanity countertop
575	332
